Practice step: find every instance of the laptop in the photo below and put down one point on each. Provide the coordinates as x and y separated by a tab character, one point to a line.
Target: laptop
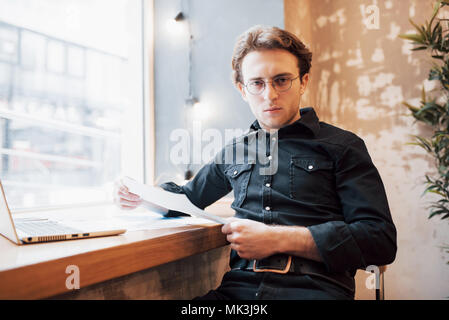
32	230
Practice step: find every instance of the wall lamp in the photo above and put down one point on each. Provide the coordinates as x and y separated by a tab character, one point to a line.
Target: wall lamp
179	16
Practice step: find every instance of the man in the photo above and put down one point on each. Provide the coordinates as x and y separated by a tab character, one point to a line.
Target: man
304	227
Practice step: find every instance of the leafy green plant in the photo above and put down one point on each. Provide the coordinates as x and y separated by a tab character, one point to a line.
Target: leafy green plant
433	36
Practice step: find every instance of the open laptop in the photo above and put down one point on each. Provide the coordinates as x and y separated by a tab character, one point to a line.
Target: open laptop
23	230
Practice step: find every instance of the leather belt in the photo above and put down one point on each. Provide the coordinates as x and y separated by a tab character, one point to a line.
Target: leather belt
283	264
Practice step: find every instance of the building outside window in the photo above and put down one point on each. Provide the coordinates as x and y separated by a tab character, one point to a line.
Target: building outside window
71	95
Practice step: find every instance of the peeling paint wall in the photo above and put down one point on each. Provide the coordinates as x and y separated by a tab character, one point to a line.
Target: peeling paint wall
183	279
361	73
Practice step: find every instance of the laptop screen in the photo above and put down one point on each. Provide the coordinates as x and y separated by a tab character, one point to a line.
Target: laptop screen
6	223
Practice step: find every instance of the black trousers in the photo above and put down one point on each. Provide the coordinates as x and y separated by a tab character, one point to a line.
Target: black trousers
248	285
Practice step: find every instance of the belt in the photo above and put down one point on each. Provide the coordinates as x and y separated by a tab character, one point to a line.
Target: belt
283	264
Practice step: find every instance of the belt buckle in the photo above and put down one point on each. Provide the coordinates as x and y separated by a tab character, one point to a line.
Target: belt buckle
284	271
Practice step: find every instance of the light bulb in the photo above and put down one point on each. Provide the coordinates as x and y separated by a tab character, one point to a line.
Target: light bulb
175	28
200	111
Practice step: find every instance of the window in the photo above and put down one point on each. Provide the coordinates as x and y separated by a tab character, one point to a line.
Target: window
71	97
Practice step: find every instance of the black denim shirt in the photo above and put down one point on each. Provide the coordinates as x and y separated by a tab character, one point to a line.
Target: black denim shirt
325	181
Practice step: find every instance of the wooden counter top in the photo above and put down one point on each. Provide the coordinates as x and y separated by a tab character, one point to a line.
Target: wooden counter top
39	270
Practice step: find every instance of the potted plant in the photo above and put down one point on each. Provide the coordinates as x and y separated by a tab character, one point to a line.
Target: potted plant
433	111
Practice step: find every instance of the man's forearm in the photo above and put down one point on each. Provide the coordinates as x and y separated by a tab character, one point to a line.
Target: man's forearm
296	241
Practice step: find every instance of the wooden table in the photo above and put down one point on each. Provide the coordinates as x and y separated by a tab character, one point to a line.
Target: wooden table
38	271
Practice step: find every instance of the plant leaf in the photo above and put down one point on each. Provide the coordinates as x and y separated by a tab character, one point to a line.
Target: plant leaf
412	37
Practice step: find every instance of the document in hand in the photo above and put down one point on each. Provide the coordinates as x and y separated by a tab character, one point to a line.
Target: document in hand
168	200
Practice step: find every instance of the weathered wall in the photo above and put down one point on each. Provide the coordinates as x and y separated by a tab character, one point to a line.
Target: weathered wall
179	280
361	73
214	25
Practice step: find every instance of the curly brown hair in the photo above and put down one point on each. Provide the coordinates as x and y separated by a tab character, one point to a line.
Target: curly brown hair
265	38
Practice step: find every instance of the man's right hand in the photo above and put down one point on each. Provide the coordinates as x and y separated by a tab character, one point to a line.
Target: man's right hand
125	199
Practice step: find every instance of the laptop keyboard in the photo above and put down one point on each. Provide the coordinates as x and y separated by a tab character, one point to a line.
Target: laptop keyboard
44	228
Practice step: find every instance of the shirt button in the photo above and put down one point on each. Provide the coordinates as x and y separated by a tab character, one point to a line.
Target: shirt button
267	208
267	185
270	157
310	167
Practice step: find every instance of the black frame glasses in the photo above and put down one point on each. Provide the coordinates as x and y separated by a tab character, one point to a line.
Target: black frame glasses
279	83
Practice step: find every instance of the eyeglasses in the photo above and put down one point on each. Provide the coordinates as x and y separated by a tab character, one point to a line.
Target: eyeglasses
280	84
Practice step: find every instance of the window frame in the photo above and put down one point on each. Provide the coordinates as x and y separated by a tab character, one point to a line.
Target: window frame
138	135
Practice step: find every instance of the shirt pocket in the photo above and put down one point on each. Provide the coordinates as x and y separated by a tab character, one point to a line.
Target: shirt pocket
238	175
312	180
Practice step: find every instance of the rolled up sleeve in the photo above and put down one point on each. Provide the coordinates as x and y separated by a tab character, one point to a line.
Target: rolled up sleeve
366	235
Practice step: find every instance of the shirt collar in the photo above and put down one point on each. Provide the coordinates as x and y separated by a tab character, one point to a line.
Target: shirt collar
309	120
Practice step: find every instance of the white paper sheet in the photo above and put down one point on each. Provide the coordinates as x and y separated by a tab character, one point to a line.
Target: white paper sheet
169	200
120	219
